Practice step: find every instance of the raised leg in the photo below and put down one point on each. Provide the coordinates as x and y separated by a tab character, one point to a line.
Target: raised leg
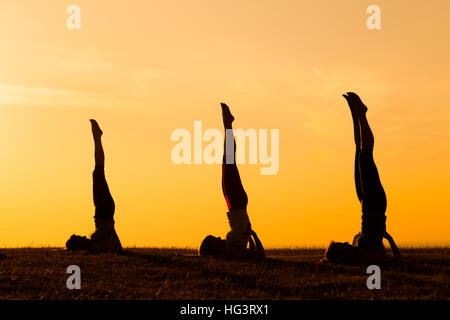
373	204
367	139
232	187
99	153
373	197
357	136
103	201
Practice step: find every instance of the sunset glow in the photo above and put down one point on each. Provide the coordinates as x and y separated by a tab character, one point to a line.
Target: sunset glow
146	68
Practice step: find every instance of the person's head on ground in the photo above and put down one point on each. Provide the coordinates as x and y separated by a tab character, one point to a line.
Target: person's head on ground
342	252
212	246
78	243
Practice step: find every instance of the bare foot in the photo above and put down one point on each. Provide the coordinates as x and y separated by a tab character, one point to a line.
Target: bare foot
96	131
355	103
226	115
351	105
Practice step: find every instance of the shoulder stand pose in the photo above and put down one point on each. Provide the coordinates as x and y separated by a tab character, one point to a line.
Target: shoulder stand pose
241	242
105	237
368	244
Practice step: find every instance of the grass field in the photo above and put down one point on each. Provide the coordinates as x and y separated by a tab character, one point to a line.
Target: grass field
180	274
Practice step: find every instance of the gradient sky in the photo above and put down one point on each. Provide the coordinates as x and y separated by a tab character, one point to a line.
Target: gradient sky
146	68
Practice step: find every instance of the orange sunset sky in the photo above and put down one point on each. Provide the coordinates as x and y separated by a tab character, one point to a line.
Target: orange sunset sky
146	68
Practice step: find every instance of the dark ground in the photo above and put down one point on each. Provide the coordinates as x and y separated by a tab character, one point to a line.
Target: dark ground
179	274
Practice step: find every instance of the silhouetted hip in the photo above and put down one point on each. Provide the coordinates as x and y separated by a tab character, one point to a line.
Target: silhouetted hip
103	201
373	202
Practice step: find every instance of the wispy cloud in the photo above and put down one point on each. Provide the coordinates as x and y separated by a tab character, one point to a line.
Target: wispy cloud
32	96
81	66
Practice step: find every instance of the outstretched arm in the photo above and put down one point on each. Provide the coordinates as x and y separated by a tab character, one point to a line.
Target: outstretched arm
395	251
259	252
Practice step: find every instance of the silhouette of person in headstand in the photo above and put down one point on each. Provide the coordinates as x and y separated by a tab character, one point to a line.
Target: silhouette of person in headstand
241	242
370	192
105	237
